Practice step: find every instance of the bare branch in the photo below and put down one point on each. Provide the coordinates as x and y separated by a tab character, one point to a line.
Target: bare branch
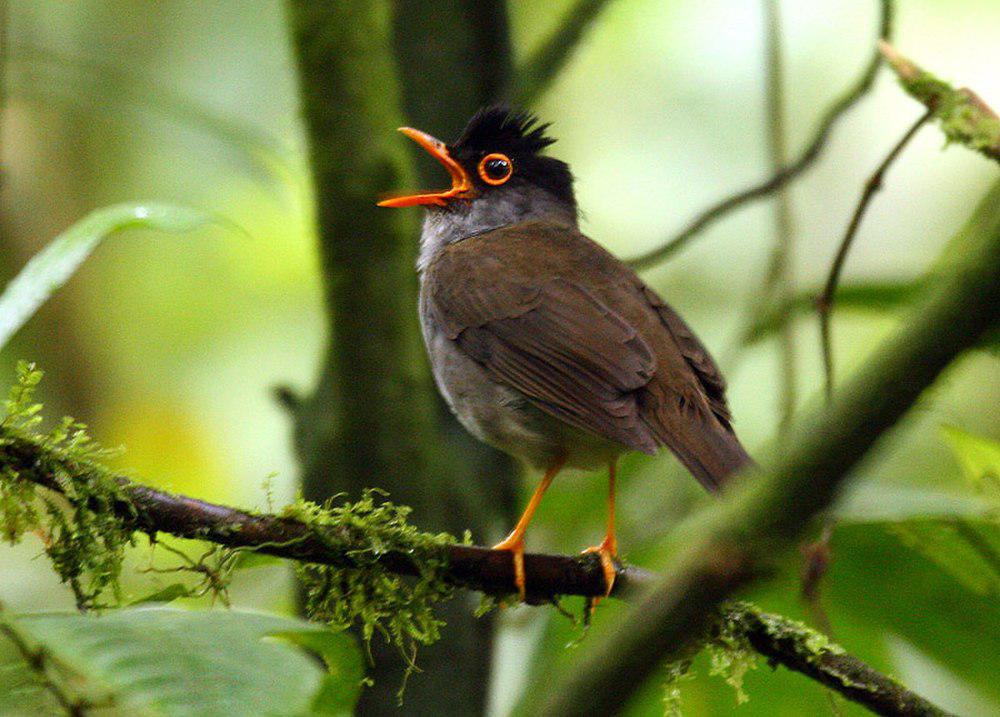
824	302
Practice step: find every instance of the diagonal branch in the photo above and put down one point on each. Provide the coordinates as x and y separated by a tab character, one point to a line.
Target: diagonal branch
779	640
789	172
963	115
762	518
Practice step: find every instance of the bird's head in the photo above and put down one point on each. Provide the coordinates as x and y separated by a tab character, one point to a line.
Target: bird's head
497	160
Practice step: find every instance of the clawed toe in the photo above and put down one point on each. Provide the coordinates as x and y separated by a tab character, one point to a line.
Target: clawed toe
515	544
608	552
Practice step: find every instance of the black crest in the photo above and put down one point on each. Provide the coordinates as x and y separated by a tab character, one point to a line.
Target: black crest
501	128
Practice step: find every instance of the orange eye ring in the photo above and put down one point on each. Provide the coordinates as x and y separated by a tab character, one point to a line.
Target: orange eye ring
495	168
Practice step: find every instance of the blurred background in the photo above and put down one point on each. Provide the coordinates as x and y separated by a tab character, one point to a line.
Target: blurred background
172	345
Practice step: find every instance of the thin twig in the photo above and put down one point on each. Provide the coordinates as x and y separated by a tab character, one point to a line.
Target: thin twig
533	77
824	302
786	174
779	283
962	114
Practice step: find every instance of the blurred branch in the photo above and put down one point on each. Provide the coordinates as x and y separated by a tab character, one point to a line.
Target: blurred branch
452	57
876	295
537	73
824	302
372	417
763	516
964	117
812	151
779	283
148	510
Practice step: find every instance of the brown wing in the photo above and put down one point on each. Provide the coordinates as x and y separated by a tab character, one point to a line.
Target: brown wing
554	342
695	354
532	303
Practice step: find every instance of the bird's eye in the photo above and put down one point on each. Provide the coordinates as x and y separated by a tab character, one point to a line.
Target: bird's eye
495	168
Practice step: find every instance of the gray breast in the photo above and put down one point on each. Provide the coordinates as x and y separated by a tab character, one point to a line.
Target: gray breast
502	416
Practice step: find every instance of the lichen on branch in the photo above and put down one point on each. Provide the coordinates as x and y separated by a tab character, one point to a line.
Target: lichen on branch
963	116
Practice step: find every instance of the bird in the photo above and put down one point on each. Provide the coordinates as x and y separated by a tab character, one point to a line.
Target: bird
543	344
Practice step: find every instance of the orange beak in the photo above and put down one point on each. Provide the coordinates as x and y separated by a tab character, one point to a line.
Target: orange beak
461	185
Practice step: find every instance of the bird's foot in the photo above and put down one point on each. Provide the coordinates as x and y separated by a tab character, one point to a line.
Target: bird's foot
515	544
608	552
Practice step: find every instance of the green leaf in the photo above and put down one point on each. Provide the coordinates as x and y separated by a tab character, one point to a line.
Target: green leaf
55	264
343	660
166	662
879	582
979	458
887	502
168	594
860	296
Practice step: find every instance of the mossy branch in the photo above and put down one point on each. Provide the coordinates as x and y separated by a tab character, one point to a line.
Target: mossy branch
963	116
148	510
298	536
801	649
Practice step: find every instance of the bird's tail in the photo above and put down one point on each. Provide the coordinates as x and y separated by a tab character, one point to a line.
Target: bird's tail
706	446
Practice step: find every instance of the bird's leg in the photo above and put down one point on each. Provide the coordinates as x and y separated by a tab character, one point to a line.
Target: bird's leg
515	541
608	549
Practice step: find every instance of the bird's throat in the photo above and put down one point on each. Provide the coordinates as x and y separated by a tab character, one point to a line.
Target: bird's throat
463	219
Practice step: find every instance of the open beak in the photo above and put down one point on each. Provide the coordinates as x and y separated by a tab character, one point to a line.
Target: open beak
461	185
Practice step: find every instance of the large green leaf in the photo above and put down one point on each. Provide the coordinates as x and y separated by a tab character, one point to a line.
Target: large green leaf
979	458
873	502
886	585
166	662
55	264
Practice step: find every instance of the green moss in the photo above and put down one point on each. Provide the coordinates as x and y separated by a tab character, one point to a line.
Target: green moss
676	673
368	594
84	533
88	523
732	656
962	118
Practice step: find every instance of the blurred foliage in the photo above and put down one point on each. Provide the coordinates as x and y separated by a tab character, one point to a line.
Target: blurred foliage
154	661
172	348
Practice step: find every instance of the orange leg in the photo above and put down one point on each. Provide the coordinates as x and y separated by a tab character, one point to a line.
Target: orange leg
515	541
608	549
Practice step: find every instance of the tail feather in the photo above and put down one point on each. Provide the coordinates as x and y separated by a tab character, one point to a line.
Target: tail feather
706	446
712	456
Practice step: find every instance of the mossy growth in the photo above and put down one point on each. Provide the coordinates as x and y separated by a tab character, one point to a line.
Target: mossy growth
963	118
52	484
83	527
367	594
731	654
